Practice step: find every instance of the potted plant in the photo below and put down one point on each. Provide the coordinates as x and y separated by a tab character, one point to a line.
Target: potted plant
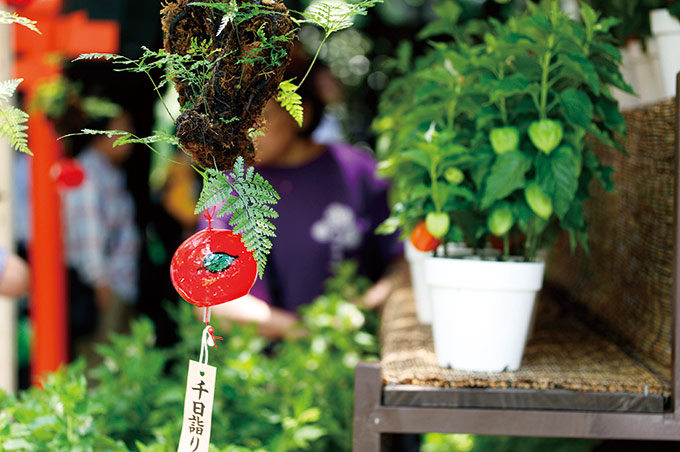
665	26
488	143
647	33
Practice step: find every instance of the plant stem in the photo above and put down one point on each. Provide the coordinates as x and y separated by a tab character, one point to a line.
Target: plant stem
531	242
501	103
163	156
506	247
530	238
545	65
155	88
435	185
311	65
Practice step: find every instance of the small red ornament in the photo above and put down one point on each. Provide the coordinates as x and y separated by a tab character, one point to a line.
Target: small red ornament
68	173
212	267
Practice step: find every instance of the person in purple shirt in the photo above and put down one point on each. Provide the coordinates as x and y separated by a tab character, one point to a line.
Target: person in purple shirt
331	203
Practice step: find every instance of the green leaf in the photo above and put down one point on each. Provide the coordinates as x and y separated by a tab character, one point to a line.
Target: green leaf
575	223
218	262
418	156
448	13
13	18
588	15
247	198
337	16
565	172
608	50
8	88
125	137
290	100
13	127
579	68
578	109
507	175
510	86
13	120
452	191
307	433
98	56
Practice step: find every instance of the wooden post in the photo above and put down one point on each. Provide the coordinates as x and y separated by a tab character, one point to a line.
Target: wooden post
367	393
68	35
8	343
48	292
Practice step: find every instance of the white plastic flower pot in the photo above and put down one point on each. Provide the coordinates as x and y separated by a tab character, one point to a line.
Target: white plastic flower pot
482	311
666	31
421	293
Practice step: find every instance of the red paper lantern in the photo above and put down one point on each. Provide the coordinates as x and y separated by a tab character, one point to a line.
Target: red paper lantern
212	267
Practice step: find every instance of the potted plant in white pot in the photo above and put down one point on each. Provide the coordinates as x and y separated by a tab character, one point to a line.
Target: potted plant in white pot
648	33
665	26
420	162
514	123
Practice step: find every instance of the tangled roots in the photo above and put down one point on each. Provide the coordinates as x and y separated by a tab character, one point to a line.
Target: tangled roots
216	127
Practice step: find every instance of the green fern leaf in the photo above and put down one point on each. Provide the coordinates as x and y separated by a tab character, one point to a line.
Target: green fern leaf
98	56
13	18
13	127
8	88
290	100
125	137
246	197
216	189
336	16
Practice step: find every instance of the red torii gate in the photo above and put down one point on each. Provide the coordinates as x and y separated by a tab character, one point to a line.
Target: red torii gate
65	36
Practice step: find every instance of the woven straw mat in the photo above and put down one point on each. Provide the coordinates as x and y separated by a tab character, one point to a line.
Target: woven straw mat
562	354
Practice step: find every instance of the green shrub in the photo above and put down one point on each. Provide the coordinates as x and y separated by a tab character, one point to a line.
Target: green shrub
296	395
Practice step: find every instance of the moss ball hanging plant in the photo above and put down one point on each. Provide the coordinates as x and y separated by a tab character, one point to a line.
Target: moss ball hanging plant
226	60
248	54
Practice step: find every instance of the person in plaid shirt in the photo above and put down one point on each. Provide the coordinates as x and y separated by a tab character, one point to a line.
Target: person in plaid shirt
102	241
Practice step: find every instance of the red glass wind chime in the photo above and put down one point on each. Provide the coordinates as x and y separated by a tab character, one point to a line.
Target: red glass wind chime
211	267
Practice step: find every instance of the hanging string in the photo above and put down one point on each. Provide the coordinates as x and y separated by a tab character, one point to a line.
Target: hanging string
204	346
208	338
209	215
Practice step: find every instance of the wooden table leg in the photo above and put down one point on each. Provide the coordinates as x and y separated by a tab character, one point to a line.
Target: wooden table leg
367	395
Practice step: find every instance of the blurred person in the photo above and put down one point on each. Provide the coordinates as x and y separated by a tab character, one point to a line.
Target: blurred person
331	203
102	241
172	220
14	275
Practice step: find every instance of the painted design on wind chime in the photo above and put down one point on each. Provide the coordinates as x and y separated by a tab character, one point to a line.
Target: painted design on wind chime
211	267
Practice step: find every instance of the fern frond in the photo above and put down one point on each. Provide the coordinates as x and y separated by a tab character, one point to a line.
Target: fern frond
336	16
98	56
216	189
246	197
13	127
238	12
226	20
125	137
8	88
13	18
290	100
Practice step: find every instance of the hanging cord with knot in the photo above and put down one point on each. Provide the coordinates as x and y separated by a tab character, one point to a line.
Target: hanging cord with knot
208	338
209	215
